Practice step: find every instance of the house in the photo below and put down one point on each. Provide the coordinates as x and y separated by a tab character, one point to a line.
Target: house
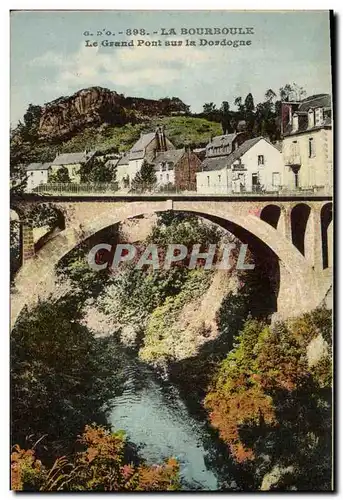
73	162
146	148
37	173
224	144
252	166
177	167
307	145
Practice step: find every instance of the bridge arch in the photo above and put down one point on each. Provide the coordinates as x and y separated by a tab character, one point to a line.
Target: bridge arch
297	285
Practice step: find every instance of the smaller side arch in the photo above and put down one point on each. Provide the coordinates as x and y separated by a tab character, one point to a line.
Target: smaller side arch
300	215
271	214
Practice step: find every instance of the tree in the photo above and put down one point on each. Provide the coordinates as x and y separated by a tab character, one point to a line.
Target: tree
239	104
99	465
96	170
249	108
145	179
32	117
268	391
292	92
225	112
59	370
270	95
209	107
61	176
249	103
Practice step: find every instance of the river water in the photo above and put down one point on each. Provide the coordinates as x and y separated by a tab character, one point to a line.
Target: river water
157	420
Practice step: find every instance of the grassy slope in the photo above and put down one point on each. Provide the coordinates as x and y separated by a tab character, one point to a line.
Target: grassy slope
180	130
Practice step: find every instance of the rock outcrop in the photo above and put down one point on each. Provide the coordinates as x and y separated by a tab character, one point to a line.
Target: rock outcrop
94	106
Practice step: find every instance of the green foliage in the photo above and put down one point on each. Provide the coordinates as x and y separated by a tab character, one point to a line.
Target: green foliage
145	179
186	229
60	176
86	282
45	214
15	257
266	398
96	171
99	466
61	376
162	340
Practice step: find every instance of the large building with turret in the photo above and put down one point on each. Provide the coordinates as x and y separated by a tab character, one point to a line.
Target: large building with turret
307	146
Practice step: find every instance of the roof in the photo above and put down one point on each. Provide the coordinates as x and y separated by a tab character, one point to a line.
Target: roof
221	162
221	141
72	158
215	163
38	166
170	156
137	150
113	162
124	160
315	101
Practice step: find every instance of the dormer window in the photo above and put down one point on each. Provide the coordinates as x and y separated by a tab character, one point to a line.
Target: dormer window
319	116
295	123
310	118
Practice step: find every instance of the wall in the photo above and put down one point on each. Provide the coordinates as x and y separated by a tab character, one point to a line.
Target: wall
35	178
315	171
122	173
272	163
165	177
209	182
185	172
134	167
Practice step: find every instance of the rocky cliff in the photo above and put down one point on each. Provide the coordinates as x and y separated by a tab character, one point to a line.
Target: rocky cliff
94	106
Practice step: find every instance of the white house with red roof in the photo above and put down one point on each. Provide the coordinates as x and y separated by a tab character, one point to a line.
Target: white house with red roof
254	165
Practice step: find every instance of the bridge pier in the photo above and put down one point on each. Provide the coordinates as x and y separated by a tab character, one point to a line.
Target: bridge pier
27	245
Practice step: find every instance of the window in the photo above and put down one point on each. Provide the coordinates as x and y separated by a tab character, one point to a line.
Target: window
254	179
296	179
219	177
260	160
161	177
276	179
167	177
311	149
208	180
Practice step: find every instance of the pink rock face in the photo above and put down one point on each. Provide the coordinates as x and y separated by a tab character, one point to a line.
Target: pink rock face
97	105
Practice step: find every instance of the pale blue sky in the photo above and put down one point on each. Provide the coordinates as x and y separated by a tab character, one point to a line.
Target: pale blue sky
48	57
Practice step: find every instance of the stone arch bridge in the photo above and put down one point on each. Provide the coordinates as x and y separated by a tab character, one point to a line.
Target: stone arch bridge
296	231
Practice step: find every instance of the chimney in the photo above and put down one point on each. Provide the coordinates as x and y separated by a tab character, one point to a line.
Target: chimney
295	123
161	138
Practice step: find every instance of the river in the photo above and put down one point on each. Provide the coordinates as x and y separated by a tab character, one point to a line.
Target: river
156	419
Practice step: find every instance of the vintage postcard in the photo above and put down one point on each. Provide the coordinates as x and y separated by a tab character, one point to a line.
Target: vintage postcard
171	233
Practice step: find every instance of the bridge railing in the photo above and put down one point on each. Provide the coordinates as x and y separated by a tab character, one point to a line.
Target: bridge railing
112	189
77	189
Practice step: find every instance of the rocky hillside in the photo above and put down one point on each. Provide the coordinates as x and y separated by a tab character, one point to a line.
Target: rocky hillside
94	106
